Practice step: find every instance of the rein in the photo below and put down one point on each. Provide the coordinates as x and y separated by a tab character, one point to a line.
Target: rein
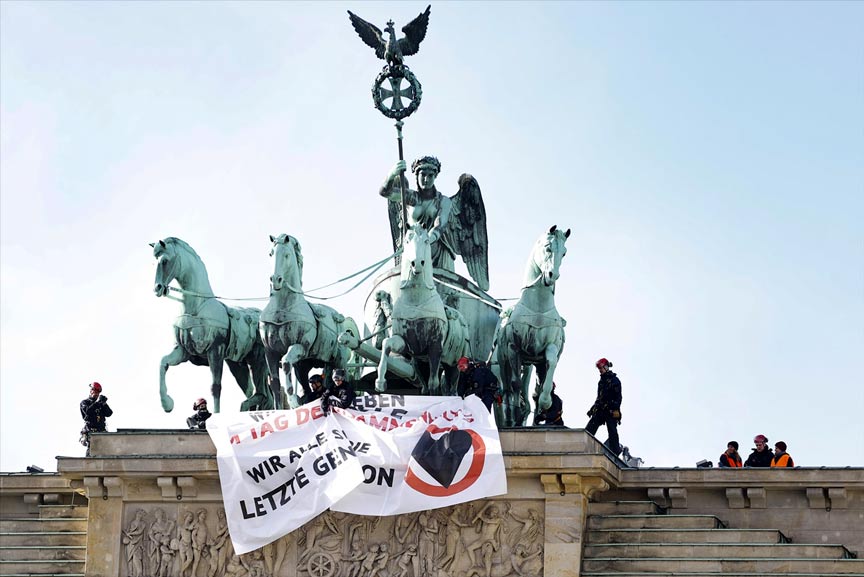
375	266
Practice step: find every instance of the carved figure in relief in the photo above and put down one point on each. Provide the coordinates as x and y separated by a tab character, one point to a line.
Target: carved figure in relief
236	567
408	560
353	560
166	556
274	554
360	530
187	526
428	541
530	528
159	529
490	529
380	561
133	540
451	556
527	561
369	561
199	540
404	527
219	547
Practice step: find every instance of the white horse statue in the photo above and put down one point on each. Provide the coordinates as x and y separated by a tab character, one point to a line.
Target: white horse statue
532	331
209	331
296	333
431	334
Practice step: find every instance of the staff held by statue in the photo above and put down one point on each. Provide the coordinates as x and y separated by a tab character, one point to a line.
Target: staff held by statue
393	50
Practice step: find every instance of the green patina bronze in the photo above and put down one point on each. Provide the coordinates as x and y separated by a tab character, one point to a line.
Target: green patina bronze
532	332
296	334
431	335
456	224
209	332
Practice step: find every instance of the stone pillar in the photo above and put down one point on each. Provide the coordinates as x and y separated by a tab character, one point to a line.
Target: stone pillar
567	498
104	518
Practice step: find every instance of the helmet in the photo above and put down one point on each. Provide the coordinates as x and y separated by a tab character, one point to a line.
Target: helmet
94	386
338	374
603	362
462	363
760	439
200	404
316	379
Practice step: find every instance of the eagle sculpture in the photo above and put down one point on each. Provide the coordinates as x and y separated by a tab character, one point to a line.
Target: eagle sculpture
392	50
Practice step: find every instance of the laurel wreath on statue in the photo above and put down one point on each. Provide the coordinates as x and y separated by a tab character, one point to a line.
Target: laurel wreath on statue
379	94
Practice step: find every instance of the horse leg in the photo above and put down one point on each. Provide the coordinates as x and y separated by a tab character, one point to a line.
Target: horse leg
545	399
394	343
242	375
272	357
172	359
514	388
524	396
295	352
215	358
435	349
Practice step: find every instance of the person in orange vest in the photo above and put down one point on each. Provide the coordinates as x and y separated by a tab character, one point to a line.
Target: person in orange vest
730	457
781	457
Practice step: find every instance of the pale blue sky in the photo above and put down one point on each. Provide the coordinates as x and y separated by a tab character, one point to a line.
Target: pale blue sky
709	158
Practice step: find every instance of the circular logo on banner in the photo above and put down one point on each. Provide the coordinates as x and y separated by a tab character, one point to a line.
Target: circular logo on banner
441	456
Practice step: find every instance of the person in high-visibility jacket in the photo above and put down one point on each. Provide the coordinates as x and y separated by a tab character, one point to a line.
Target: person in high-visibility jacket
730	457
781	457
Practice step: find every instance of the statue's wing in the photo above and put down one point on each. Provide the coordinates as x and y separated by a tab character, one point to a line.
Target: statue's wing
467	229
415	32
369	33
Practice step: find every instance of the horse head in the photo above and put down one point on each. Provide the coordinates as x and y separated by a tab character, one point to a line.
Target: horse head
546	257
287	263
417	259
166	266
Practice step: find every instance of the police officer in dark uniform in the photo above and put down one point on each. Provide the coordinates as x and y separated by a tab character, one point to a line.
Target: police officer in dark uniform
94	411
341	394
199	419
607	408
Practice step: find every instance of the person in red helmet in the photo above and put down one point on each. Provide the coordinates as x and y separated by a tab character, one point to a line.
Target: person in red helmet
94	411
199	419
761	455
475	378
606	410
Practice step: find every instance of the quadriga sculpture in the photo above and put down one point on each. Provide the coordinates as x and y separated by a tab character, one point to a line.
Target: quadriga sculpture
532	331
423	329
209	332
296	333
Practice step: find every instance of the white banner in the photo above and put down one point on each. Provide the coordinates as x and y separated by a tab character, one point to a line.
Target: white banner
387	455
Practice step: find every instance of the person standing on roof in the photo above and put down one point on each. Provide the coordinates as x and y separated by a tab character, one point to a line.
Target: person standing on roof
730	457
761	455
606	410
94	411
781	457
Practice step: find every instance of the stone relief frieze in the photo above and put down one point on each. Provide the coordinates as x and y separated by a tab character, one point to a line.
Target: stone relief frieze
477	539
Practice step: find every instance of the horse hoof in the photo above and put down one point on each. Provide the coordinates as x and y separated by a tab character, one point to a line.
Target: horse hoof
380	386
168	404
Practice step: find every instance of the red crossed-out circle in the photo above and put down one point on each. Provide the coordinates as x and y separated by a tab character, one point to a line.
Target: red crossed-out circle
474	471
